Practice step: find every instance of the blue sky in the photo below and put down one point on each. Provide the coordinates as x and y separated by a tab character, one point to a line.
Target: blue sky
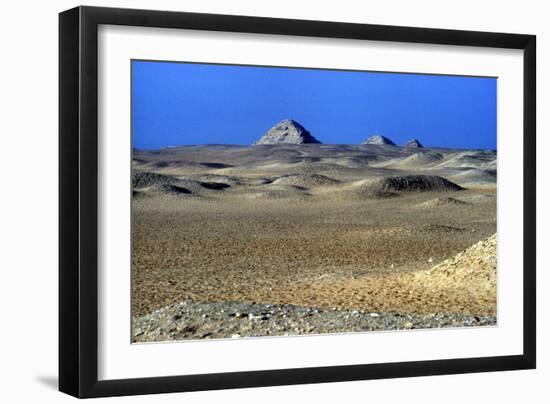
186	103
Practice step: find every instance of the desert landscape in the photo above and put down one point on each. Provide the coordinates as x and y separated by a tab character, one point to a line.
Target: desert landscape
291	236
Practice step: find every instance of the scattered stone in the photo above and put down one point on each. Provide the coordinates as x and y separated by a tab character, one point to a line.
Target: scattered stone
280	320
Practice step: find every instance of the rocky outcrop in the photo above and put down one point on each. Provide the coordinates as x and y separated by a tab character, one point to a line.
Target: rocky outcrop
287	132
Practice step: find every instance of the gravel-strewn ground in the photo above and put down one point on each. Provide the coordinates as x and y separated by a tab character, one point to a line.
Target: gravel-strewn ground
316	253
192	320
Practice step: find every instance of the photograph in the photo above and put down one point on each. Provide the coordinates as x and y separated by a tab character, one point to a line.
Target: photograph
272	201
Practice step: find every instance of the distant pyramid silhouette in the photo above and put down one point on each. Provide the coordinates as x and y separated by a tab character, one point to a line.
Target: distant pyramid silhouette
413	143
378	139
287	131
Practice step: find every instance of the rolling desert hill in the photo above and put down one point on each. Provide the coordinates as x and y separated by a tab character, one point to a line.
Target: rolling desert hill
343	163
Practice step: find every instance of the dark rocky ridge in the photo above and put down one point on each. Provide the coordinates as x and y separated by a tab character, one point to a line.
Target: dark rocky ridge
416	183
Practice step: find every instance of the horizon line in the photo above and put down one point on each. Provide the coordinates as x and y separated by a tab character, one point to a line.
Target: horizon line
309	144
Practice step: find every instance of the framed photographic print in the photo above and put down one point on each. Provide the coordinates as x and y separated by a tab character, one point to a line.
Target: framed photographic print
250	201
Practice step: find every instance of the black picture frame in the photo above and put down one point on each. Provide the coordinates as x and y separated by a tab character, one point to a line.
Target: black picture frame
78	201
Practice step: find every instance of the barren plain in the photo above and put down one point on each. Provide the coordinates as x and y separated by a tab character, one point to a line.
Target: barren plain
296	239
